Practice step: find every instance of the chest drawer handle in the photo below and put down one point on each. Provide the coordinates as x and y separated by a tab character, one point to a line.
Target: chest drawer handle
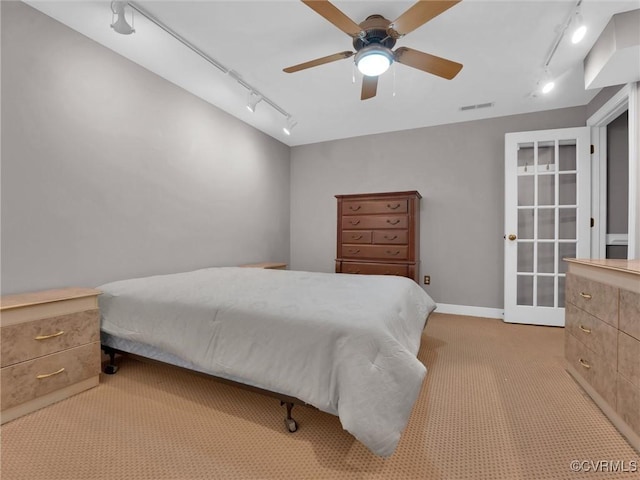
47	375
351	250
585	330
44	337
356	271
584	364
356	237
354	209
585	295
389	252
393	222
393	207
354	222
387	237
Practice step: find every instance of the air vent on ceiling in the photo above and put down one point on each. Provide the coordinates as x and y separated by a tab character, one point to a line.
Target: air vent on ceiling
475	107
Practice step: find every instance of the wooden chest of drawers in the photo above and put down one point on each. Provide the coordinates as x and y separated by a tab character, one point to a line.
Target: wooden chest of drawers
50	348
378	234
602	337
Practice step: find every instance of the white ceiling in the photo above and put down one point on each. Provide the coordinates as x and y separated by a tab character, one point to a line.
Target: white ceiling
502	44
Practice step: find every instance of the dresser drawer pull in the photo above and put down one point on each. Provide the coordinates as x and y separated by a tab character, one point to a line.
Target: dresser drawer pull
354	209
585	295
387	237
389	252
351	250
356	237
584	364
355	271
44	337
354	222
393	222
47	375
393	207
585	329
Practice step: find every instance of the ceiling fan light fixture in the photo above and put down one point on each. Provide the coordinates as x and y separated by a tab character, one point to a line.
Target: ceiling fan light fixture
374	60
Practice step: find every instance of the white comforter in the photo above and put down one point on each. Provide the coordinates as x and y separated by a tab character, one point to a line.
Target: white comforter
346	344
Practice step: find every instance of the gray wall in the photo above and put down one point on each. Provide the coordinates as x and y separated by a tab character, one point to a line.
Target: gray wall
458	169
109	171
618	175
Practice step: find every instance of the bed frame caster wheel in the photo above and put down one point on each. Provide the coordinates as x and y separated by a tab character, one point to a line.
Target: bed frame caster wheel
291	424
110	369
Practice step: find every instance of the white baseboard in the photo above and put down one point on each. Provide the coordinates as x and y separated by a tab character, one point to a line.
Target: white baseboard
470	311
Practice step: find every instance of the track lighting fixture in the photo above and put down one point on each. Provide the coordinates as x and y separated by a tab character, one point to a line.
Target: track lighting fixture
120	25
547	82
579	28
254	99
289	126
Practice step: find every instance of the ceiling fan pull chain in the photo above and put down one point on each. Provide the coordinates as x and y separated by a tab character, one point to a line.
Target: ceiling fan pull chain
394	78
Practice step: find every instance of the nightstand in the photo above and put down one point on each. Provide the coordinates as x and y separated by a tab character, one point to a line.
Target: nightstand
269	265
50	348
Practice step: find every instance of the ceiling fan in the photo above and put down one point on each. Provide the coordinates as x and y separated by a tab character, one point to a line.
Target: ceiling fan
374	38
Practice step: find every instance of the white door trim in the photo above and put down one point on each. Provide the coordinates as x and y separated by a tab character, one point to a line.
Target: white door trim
625	99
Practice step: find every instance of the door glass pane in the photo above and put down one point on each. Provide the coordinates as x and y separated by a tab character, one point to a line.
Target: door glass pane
567	223
525	157
546	223
525	190
561	292
525	290
567	154
525	256
567	187
546	156
565	250
545	291
546	190
546	260
525	223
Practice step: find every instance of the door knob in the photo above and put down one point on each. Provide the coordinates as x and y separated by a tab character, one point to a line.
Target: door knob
512	237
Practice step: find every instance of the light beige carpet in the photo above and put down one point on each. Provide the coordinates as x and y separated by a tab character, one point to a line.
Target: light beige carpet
496	404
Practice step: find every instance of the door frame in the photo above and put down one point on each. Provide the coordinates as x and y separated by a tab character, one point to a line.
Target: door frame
626	99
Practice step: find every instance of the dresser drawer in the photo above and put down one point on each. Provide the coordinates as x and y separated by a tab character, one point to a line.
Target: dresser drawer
598	299
389	252
25	341
600	374
375	222
364	207
630	313
595	334
391	237
356	236
375	269
629	358
628	403
20	382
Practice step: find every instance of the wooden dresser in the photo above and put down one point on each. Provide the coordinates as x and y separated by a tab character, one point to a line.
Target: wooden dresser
50	348
379	234
602	337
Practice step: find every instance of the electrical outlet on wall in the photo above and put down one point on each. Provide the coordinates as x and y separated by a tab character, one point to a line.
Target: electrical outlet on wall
427	279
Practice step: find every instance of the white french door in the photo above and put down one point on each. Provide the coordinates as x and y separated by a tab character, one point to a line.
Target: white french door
547	218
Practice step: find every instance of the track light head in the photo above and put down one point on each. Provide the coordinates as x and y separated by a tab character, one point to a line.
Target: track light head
291	123
120	25
254	99
579	29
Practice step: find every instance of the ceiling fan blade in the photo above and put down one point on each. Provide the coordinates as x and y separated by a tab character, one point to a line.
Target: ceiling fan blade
318	61
369	87
335	16
417	15
428	63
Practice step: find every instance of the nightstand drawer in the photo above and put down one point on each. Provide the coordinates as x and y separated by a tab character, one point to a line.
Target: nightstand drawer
595	334
592	367
598	299
26	341
28	380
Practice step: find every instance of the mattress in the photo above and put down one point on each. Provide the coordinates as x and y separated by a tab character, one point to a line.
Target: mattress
346	344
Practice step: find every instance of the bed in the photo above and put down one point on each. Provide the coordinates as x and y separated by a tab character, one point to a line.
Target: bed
345	344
